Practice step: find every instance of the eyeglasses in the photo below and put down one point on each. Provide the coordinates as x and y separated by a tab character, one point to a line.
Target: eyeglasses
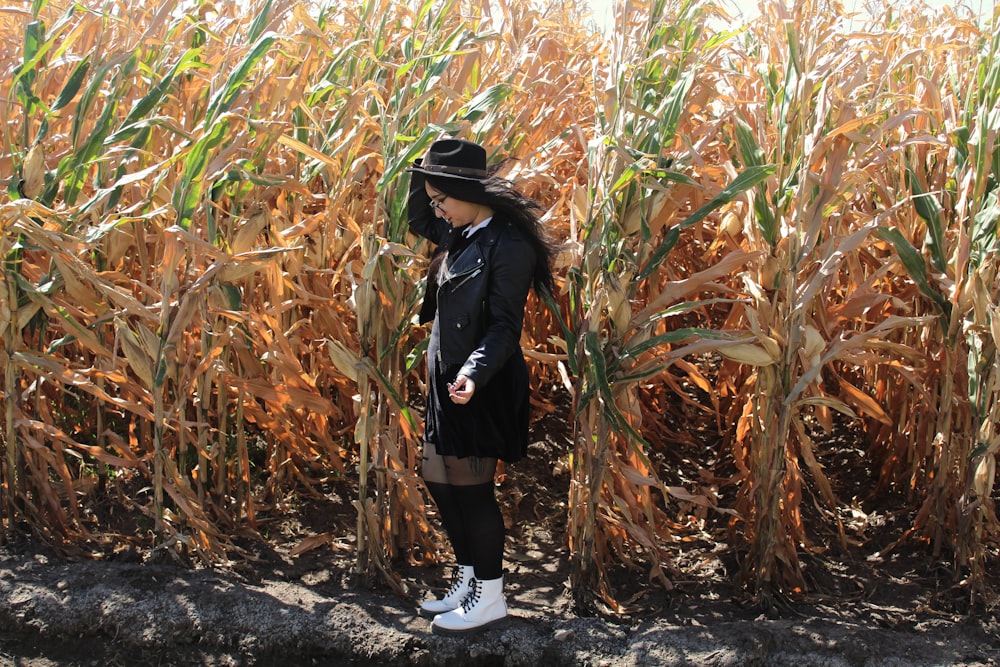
436	203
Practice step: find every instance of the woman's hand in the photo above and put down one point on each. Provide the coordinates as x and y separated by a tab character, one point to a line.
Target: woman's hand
461	390
418	195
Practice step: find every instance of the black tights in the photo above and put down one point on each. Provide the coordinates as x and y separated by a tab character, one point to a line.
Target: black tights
470	515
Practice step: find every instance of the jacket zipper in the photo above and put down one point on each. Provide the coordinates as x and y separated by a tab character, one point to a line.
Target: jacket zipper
466	279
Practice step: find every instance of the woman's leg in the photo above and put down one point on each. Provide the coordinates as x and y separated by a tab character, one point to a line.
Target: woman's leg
471	483
435	474
450	510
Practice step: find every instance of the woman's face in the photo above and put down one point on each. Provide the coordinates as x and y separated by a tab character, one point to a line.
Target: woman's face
456	211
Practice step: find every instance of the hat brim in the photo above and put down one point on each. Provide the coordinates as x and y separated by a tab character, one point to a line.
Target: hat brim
445	172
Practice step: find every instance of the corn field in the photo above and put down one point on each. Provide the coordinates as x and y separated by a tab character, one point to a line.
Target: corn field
209	290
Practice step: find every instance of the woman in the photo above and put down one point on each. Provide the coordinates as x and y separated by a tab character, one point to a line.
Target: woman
490	251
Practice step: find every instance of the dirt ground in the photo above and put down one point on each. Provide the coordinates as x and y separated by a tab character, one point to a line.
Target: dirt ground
901	608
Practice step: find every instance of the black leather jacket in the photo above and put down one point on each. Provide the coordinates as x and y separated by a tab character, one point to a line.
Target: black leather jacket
478	308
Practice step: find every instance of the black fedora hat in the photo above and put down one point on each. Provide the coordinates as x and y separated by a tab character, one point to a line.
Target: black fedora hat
454	158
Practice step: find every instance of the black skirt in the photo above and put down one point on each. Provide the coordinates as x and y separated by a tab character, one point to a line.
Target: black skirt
493	424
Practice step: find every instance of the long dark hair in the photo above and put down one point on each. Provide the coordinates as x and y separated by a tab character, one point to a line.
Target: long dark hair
508	203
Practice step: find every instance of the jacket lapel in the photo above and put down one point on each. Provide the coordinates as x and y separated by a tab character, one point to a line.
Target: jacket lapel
467	261
474	256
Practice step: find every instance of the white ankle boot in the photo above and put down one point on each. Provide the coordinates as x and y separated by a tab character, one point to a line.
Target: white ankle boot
453	598
483	606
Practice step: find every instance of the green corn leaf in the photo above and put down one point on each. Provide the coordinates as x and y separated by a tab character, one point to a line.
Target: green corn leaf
586	397
929	210
73	84
960	142
90	94
486	102
751	153
90	149
224	98
654	342
984	231
416	355
753	156
979	449
148	102
25	74
74	169
978	365
390	390
670	337
75	329
597	363
415	150
260	22
916	267
674	106
626	178
187	197
233	295
767	223
567	334
602	386
746	180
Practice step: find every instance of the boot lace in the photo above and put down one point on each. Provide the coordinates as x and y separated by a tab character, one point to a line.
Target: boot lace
473	597
456	583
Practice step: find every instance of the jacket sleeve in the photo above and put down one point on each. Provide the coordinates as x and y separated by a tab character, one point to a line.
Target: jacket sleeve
419	213
512	267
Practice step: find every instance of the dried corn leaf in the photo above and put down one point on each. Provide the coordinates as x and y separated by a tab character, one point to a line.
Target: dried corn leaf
53	369
344	360
34	172
984	470
747	353
863	402
310	543
808	450
139	359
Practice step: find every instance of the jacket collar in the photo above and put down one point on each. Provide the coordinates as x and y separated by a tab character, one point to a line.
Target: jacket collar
475	255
